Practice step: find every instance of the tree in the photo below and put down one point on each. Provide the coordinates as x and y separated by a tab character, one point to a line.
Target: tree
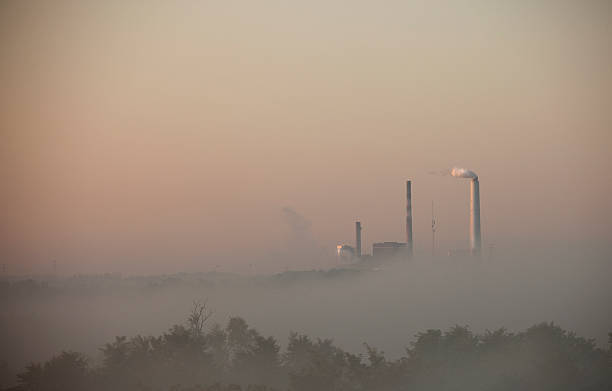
197	318
67	372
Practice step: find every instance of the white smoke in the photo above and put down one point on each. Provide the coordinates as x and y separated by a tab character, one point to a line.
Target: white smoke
463	173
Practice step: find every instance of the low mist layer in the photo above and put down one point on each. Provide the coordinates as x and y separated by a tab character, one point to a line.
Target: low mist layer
384	306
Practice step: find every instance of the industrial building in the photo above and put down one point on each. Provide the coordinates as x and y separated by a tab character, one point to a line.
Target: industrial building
400	250
346	252
389	249
383	250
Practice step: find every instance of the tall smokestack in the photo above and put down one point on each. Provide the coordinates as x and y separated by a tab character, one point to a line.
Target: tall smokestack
409	217
358	238
475	216
474	206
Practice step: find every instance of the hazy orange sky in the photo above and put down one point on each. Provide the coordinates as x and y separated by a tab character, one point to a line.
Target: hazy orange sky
145	136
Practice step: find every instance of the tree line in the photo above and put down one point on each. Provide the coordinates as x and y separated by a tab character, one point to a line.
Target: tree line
235	357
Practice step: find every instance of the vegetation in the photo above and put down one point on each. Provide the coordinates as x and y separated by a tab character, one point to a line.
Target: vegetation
195	357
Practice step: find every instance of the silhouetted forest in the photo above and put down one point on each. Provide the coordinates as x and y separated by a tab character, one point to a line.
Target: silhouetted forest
196	356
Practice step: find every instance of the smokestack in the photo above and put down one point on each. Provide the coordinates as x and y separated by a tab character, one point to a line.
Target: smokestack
475	216
409	217
358	238
474	206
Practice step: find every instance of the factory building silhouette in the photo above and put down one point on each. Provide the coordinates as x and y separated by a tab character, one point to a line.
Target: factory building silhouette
383	250
405	250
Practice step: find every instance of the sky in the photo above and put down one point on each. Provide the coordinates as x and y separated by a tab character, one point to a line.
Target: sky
148	137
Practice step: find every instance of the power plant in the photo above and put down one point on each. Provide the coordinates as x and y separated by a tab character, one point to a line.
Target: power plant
386	250
383	249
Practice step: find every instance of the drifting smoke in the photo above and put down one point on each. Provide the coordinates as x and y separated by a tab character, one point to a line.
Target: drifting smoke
456	172
301	245
299	225
463	173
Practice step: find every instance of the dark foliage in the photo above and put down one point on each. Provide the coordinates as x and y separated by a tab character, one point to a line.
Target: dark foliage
237	358
67	372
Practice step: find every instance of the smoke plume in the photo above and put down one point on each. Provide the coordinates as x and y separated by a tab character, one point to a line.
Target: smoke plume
301	245
463	173
299	225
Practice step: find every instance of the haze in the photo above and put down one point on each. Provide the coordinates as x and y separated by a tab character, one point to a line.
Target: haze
163	137
155	153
